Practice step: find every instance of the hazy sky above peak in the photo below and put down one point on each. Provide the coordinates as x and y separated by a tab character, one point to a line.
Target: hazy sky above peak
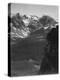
32	9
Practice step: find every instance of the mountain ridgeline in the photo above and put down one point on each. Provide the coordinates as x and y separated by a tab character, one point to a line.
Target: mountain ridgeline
22	25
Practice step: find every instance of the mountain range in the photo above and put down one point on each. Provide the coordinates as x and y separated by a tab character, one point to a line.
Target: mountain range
23	25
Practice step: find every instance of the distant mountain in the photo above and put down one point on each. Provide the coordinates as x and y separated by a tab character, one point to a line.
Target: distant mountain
26	20
47	21
23	25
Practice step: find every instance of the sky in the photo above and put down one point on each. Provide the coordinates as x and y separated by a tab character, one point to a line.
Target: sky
32	9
